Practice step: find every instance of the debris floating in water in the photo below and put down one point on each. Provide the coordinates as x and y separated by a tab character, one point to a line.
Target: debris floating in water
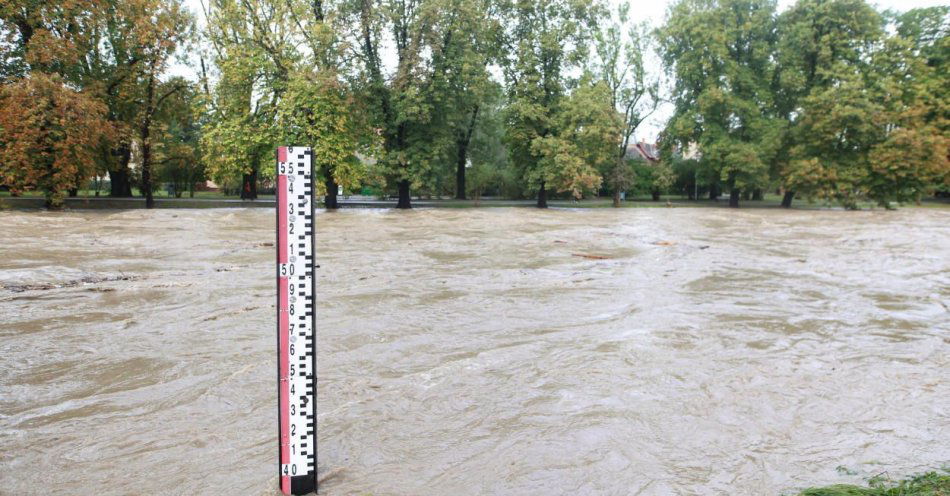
592	257
19	288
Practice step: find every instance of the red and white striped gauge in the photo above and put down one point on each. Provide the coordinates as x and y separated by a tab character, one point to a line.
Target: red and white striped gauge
296	321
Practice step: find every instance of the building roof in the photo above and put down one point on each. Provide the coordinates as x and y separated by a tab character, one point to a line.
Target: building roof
647	151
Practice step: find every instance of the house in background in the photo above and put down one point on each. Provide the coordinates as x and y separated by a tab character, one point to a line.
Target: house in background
643	150
651	151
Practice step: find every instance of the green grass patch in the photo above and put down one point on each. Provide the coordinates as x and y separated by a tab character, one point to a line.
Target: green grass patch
928	484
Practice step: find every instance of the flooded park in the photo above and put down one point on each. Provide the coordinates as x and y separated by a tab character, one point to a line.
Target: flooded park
480	351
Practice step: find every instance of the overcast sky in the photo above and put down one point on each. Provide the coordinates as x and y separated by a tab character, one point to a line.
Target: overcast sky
652	10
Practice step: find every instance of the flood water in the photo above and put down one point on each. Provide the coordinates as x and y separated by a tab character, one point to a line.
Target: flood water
473	352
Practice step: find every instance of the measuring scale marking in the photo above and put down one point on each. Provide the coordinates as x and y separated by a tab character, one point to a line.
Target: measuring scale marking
296	321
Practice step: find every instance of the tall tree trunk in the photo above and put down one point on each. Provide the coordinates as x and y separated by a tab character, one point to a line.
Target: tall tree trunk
460	171
147	168
655	195
51	191
757	194
787	199
618	179
462	141
152	104
542	197
734	197
145	137
249	185
714	191
330	200
404	199
120	182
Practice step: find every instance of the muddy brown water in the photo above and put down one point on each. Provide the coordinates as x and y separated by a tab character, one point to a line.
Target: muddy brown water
471	352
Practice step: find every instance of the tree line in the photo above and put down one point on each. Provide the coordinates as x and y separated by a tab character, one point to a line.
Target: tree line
828	100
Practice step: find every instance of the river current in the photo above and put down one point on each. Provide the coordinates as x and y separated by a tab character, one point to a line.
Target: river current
479	352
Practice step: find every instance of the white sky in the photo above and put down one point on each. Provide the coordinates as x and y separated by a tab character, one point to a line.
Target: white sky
652	10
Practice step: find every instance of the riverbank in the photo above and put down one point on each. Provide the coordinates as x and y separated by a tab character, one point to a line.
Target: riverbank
108	203
928	484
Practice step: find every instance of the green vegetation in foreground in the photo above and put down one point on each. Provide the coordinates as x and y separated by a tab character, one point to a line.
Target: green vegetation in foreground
928	484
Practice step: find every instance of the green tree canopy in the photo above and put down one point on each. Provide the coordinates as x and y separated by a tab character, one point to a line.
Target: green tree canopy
546	39
720	52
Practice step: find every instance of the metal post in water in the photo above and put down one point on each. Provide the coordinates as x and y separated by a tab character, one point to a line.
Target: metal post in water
296	322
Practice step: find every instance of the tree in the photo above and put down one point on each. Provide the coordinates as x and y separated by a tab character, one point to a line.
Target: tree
927	37
48	135
48	36
911	158
427	104
721	54
100	47
462	82
491	169
833	137
911	162
823	49
321	106
253	47
653	177
686	175
401	100
621	49
167	25
928	30
240	135
546	39
316	110
111	68
75	41
177	149
584	137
